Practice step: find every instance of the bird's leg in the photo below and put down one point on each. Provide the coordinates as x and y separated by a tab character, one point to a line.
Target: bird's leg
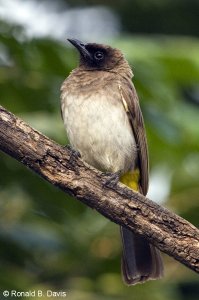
113	178
74	154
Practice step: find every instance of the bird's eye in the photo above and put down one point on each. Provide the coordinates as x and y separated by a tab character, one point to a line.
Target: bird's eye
99	55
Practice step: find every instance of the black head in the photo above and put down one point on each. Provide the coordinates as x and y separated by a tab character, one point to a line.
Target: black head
97	56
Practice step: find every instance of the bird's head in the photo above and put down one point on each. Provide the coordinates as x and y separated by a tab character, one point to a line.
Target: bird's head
98	56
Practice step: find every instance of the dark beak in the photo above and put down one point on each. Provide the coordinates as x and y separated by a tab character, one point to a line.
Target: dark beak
81	47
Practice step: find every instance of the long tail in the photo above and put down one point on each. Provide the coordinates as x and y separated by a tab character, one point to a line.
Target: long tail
141	261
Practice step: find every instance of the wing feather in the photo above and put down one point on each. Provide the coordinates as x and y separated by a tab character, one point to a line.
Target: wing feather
129	95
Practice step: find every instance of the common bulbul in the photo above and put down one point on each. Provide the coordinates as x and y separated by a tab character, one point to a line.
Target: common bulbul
104	123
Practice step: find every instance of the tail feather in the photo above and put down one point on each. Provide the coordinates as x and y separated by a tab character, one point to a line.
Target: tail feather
141	261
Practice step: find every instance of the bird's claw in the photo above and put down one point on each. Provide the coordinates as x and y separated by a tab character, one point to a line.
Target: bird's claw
74	153
111	179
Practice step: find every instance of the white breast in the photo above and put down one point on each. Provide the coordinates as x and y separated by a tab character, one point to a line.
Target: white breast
100	130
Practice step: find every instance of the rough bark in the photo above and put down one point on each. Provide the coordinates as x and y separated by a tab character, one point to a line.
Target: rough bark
64	169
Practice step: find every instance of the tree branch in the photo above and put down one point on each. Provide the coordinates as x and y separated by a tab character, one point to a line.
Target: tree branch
59	166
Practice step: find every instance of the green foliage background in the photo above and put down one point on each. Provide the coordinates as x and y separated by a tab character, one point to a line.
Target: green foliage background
49	240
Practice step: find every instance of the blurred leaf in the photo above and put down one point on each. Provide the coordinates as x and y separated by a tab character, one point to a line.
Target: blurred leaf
49	240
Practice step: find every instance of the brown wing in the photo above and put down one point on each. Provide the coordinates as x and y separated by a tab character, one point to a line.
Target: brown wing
131	104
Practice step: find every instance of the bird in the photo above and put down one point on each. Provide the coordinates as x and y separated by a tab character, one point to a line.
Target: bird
104	124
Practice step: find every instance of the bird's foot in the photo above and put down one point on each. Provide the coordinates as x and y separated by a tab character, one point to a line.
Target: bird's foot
111	179
74	152
73	156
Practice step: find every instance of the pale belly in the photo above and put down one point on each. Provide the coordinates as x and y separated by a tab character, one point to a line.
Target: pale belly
100	130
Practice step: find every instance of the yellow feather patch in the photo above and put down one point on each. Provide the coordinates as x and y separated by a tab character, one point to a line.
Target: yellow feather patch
131	179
